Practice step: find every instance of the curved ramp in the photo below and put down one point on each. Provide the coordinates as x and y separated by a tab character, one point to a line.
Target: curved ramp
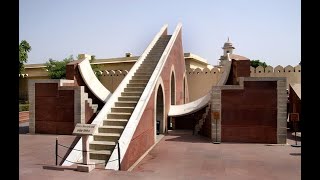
226	72
92	81
191	107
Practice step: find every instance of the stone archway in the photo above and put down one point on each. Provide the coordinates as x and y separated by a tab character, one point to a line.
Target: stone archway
173	97
173	89
159	111
184	90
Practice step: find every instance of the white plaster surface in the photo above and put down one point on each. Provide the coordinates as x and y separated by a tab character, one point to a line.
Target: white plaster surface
92	81
184	109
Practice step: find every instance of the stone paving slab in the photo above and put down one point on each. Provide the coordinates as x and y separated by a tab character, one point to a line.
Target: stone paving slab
179	155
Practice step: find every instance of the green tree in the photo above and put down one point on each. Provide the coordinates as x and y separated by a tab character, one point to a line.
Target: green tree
57	69
24	48
256	63
95	67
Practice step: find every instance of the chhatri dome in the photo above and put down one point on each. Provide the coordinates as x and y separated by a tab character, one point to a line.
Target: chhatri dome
228	48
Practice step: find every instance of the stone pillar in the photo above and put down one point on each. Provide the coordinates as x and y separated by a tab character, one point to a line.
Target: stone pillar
216	107
281	111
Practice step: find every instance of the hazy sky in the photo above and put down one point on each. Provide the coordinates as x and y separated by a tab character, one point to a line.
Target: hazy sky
269	30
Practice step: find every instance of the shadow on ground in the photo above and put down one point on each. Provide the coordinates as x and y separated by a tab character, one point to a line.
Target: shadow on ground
186	136
295	154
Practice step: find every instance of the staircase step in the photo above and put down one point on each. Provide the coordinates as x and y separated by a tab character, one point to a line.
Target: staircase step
146	68
126	104
128	98
106	137
145	71
100	154
134	89
149	63
115	122
99	163
144	81
102	145
131	93
118	115
122	109
142	77
136	85
110	129
143	74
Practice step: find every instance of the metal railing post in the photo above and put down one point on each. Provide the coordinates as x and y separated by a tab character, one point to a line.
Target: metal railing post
56	151
119	156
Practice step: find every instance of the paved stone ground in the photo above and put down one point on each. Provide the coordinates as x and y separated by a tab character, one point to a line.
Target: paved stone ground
178	155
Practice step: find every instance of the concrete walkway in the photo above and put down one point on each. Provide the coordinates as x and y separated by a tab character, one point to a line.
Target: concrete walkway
179	155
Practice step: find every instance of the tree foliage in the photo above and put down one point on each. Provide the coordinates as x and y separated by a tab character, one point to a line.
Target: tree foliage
57	69
256	63
24	48
95	67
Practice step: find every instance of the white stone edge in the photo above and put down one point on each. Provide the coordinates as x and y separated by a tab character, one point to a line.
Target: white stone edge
188	108
91	80
113	98
133	122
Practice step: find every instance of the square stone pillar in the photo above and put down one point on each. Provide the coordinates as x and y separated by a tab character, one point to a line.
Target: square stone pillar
216	107
281	111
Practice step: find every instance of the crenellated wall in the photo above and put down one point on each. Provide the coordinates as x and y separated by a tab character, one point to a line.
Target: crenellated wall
293	74
112	78
201	81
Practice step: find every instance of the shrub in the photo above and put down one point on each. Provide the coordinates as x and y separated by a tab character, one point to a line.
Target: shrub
23	107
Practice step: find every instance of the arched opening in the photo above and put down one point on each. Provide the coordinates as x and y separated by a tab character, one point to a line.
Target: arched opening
173	98
173	90
159	111
184	90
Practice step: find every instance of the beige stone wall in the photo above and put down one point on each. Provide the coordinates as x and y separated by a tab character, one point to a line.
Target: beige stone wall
112	78
293	74
200	81
116	66
36	72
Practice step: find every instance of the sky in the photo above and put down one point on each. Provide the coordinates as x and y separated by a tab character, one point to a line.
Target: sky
268	30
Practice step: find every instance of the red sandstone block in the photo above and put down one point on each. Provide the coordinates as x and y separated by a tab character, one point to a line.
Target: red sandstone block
65	114
65	93
64	127
45	116
65	101
45	127
46	89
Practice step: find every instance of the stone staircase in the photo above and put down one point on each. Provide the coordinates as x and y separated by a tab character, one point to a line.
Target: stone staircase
89	100
105	140
201	121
